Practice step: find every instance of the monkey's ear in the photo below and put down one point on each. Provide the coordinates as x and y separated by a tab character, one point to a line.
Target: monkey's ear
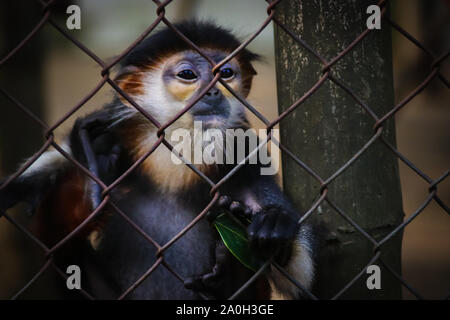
248	73
246	59
251	70
126	70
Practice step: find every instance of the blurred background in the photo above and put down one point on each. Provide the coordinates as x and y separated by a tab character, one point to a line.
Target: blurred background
50	75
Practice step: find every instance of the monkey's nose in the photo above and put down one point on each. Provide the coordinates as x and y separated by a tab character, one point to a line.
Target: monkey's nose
213	92
213	97
212	103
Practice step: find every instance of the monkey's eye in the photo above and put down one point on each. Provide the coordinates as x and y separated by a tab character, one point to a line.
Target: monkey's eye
226	73
187	74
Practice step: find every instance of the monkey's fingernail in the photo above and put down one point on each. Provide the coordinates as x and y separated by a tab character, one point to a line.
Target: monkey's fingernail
224	201
190	283
236	207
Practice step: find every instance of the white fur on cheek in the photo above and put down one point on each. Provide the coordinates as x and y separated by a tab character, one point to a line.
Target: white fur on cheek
156	100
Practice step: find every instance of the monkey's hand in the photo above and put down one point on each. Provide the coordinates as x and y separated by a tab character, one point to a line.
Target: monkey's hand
212	283
216	283
272	232
238	209
103	143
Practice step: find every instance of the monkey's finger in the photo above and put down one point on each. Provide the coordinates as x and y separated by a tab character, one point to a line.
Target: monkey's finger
224	202
194	283
253	228
259	233
237	208
213	280
283	233
248	213
271	244
285	228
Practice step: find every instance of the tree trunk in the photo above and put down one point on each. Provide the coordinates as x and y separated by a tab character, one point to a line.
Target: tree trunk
329	128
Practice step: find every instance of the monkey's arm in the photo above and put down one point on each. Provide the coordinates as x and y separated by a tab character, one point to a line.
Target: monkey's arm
89	142
274	231
97	148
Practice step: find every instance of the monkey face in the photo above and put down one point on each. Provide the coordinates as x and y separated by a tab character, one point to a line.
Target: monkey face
186	74
167	86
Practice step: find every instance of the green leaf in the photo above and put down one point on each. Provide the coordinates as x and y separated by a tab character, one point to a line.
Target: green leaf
234	236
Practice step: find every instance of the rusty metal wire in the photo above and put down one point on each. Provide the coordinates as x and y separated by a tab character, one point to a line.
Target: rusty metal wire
49	252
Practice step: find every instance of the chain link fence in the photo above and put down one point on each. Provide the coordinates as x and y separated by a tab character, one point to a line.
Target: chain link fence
215	188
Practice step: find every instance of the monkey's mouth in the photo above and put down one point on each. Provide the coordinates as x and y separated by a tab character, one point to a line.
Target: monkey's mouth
211	115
